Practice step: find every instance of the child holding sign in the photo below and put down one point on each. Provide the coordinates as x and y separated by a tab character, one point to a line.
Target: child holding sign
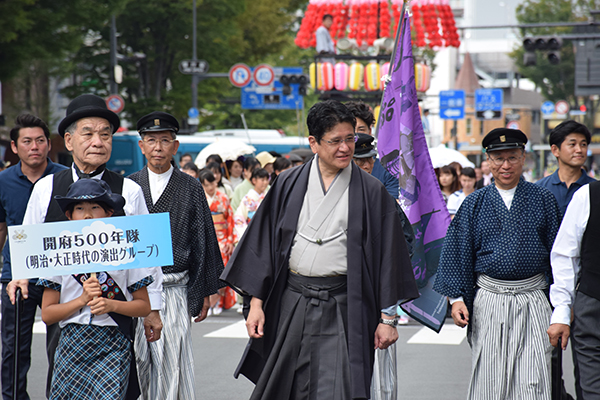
94	355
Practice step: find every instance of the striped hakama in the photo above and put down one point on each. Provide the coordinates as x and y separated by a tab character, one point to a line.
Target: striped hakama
510	348
91	363
385	375
166	366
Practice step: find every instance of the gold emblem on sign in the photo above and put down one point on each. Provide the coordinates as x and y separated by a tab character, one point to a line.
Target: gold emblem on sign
157	122
503	138
19	235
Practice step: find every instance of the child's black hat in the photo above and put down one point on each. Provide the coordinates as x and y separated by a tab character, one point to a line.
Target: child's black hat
91	190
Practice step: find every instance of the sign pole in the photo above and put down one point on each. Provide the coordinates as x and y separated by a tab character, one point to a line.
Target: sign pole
194	58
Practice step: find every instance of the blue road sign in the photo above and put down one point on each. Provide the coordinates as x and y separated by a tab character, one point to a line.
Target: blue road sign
255	97
547	108
452	104
193	112
488	103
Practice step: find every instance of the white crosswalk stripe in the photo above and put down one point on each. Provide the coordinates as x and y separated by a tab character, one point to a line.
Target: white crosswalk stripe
449	335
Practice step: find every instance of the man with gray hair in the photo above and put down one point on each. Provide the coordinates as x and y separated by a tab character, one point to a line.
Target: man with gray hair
166	368
87	130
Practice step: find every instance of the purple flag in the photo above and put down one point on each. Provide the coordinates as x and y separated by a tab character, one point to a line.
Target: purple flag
403	152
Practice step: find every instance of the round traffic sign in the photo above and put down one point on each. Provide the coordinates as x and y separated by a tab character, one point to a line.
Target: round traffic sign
240	75
562	107
264	75
193	112
547	107
115	103
513	125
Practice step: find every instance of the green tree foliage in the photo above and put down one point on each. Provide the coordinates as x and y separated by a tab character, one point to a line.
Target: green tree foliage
45	29
555	81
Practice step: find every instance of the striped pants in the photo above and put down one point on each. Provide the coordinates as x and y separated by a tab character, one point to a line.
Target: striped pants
510	348
166	367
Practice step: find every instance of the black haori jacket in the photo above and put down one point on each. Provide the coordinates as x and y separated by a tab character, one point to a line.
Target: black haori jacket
379	267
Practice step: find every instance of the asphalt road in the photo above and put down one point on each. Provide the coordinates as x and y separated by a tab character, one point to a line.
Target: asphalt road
430	366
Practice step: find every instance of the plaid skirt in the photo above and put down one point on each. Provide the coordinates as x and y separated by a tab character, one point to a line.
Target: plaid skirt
91	362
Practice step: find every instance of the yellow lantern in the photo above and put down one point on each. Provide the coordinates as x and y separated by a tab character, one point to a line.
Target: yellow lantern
355	76
372	76
422	77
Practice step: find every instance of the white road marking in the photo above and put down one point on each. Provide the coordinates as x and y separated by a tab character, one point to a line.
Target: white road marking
233	331
39	327
449	335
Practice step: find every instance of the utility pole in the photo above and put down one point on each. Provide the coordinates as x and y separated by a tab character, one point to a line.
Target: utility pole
114	88
194	58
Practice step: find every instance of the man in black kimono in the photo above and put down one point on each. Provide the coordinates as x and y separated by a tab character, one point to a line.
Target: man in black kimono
320	260
197	262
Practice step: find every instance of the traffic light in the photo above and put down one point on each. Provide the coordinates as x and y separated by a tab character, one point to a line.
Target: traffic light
549	44
288	80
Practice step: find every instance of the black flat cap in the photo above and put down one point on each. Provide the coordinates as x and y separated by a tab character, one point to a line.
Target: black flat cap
88	105
504	139
364	146
157	121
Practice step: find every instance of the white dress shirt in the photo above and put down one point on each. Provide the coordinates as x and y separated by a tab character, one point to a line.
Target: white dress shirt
158	183
134	205
565	256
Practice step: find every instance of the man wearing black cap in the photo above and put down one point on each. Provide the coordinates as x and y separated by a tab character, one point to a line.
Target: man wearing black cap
87	130
385	359
495	268
196	256
364	121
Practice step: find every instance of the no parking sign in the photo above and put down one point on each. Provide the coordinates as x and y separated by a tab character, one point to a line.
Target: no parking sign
240	75
115	103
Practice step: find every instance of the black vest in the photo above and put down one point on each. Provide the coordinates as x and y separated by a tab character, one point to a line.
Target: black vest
60	186
589	282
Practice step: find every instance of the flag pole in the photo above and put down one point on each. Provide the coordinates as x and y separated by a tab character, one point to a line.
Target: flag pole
393	58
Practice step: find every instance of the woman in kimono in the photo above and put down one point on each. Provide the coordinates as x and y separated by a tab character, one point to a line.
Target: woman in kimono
251	201
222	216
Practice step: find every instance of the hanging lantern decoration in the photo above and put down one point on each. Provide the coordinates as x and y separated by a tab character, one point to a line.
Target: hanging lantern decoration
385	70
396	10
450	34
372	21
309	25
422	77
418	26
363	21
355	76
367	20
312	75
372	76
325	76
385	19
353	12
341	76
340	20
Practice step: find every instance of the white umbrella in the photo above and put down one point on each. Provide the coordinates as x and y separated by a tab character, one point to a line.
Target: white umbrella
442	155
228	149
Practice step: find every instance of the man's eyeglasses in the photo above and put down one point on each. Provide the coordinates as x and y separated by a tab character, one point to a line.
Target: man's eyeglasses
498	162
338	142
362	161
152	142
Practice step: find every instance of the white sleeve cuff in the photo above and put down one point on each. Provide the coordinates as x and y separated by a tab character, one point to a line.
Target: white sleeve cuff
155	297
155	289
561	315
453	300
